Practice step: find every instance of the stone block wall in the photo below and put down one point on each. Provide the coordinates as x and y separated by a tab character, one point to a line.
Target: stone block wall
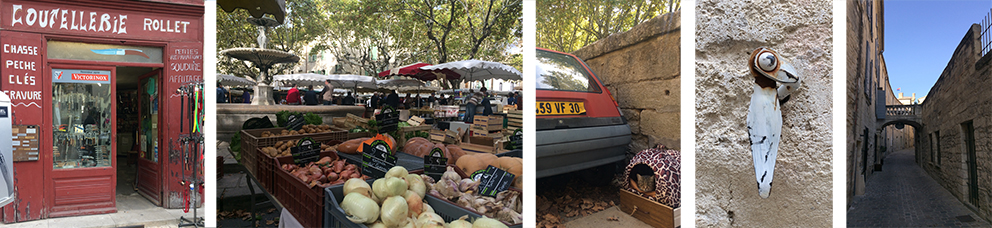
641	69
864	56
962	95
726	193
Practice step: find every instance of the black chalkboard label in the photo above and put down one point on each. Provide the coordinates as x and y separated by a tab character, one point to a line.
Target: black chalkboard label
306	150
377	159
295	122
435	164
494	180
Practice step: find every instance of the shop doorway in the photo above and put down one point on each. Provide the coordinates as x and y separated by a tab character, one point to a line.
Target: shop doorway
138	133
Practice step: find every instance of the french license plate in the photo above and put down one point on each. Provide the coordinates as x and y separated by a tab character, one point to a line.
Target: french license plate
560	108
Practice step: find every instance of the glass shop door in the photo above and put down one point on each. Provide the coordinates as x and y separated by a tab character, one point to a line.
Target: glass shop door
149	175
83	121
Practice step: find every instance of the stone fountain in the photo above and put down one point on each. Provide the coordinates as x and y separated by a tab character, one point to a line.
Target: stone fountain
262	58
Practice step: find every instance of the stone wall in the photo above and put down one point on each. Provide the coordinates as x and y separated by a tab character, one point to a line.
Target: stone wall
959	96
864	61
641	69
726	194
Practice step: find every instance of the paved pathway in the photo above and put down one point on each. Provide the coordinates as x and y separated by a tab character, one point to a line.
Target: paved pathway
903	195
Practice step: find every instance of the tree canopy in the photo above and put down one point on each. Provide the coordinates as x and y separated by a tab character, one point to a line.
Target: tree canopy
368	36
568	25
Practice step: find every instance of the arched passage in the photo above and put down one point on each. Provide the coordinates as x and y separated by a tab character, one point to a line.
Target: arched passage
898	134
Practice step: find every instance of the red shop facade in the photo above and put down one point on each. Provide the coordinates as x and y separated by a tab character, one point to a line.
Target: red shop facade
87	80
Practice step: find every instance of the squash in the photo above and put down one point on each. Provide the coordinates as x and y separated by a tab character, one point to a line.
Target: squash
470	163
509	164
487	158
351	146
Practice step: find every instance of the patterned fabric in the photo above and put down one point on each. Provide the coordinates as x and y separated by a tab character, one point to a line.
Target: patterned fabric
666	165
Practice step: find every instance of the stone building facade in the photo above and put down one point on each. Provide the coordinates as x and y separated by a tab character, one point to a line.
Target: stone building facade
957	117
867	89
641	69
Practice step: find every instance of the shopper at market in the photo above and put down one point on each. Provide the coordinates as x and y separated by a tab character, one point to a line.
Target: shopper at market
221	95
442	100
419	101
293	97
310	97
393	100
348	99
246	97
511	99
374	100
470	102
487	109
328	93
518	101
408	101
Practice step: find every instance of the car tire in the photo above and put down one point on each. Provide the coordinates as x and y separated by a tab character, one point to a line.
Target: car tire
600	175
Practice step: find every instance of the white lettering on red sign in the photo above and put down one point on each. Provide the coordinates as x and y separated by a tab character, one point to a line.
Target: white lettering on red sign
20	49
89	21
91	77
24	95
185	78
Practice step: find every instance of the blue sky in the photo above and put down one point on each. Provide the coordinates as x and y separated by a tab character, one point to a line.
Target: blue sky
920	37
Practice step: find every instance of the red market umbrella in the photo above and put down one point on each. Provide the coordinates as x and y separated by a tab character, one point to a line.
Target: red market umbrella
407	70
414	71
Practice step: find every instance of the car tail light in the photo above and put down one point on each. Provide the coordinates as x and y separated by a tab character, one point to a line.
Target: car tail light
612	98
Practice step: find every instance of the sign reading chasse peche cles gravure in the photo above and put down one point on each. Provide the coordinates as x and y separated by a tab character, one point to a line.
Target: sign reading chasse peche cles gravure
88	21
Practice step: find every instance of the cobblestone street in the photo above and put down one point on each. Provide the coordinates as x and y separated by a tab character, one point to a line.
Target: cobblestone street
903	195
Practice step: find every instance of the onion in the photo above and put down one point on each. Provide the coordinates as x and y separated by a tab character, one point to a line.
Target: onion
359	208
397	171
415	202
377	224
389	186
460	223
394	211
357	185
429	220
416	184
485	222
428	209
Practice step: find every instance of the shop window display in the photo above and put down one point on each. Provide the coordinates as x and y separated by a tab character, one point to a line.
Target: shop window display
81	119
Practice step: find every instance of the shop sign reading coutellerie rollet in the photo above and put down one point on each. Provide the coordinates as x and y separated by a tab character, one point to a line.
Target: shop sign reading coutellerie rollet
95	21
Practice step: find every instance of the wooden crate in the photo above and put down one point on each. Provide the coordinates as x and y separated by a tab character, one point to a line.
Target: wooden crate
650	212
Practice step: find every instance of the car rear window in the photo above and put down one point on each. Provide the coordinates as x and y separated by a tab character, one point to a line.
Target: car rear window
556	71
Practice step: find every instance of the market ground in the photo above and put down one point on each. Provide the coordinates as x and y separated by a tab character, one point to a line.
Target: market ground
234	197
903	195
568	201
132	210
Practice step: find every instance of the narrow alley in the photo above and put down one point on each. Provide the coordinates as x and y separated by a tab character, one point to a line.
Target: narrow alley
903	195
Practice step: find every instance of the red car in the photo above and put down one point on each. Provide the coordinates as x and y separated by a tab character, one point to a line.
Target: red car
579	125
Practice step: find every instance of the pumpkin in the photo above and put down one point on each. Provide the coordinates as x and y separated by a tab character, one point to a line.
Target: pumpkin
351	146
456	152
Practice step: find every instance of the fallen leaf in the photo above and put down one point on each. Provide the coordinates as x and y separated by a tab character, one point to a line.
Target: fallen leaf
269	222
613	218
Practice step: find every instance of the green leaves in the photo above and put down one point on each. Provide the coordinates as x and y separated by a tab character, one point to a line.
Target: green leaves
566	25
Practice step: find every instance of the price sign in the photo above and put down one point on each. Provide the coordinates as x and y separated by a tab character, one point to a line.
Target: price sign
306	150
377	159
494	180
295	122
435	164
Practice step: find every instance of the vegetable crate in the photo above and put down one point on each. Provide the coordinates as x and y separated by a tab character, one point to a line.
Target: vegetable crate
303	201
260	164
472	213
334	216
648	211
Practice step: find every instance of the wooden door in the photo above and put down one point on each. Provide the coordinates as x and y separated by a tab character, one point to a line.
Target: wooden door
150	147
83	116
969	143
